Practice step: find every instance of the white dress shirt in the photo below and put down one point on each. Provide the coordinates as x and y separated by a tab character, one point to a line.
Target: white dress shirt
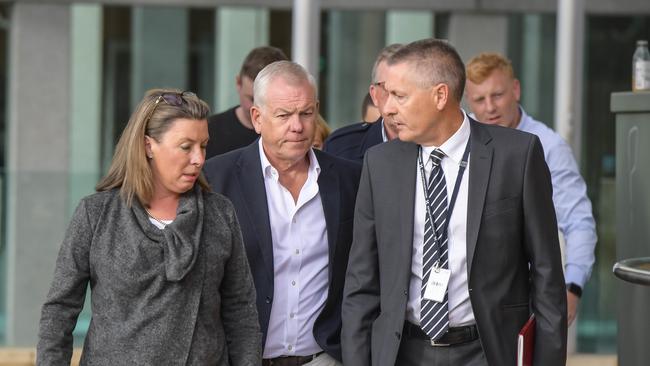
384	135
300	262
460	308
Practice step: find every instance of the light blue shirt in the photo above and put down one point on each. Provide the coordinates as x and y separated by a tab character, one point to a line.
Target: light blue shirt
572	206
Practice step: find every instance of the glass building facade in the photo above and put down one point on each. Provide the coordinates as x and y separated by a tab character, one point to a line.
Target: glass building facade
107	56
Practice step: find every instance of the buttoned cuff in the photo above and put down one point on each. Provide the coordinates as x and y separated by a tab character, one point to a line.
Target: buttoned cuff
573	274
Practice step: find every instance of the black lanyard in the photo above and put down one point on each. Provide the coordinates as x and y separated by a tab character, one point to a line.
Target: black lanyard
459	178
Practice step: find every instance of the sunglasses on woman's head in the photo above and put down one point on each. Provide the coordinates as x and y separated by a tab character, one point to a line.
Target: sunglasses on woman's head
170	98
173	98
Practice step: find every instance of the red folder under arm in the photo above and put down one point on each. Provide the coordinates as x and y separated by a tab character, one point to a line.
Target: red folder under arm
526	343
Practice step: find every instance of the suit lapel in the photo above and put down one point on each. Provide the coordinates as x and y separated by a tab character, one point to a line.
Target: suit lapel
479	175
328	187
373	137
405	165
251	181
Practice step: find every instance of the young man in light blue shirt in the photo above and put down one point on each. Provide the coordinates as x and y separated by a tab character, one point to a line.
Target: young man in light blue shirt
492	93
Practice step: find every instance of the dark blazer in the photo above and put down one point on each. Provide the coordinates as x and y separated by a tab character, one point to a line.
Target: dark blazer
510	226
351	142
238	175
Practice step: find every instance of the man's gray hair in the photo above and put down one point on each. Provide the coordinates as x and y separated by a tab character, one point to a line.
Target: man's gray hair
383	55
290	71
436	61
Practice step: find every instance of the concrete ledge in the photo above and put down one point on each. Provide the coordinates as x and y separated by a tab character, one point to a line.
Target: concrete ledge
27	357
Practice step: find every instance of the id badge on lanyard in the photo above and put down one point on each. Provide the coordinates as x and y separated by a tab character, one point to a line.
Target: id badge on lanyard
439	277
437	284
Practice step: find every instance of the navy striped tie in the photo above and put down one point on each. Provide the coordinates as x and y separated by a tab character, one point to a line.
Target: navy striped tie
434	316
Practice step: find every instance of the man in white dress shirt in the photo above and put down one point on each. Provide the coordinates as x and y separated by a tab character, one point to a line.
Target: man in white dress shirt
295	207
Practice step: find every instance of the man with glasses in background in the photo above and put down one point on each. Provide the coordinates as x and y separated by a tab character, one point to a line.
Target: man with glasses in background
351	142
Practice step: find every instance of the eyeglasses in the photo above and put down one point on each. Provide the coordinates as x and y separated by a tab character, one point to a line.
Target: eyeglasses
170	98
380	84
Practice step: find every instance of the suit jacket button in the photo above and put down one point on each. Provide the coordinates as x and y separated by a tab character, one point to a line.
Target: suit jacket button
398	335
268	300
406	292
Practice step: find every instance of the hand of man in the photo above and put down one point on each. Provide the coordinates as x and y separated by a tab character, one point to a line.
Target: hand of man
572	301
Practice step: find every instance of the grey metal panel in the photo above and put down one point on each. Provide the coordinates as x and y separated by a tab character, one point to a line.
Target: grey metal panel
618	7
438	5
632	229
326	4
39	104
181	3
611	7
630	101
524	6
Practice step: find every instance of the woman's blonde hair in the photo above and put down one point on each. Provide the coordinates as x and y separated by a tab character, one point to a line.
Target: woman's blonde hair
130	170
322	128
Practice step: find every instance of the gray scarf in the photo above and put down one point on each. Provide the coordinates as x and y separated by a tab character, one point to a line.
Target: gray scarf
180	239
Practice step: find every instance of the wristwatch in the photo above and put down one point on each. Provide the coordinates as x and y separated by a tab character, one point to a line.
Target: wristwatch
574	289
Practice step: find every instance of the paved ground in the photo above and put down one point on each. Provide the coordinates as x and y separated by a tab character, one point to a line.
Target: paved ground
27	357
592	360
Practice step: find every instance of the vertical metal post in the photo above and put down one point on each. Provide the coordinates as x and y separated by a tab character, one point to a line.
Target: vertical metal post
568	86
568	76
305	44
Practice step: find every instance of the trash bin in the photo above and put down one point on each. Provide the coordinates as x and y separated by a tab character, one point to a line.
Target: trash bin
632	223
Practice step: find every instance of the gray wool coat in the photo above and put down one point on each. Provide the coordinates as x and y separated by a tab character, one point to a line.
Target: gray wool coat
178	296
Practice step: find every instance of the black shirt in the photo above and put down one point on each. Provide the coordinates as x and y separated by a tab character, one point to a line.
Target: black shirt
227	133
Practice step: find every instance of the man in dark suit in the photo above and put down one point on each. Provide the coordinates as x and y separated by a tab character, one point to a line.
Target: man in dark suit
295	207
351	142
455	239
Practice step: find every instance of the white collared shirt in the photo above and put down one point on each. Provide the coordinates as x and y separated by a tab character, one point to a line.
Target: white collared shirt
460	308
384	135
300	262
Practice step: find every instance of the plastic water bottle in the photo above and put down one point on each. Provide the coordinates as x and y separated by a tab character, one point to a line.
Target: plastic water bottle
641	67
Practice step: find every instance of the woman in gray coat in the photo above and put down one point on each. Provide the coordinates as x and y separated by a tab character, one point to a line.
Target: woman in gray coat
169	279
